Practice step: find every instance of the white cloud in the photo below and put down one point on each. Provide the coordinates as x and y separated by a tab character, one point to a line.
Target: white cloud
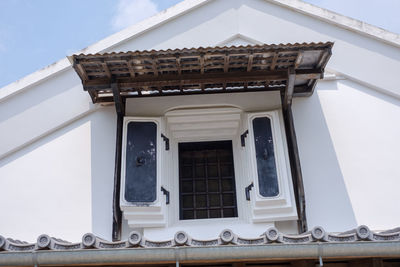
131	11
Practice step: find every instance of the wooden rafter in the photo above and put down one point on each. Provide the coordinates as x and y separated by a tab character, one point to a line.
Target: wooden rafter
152	73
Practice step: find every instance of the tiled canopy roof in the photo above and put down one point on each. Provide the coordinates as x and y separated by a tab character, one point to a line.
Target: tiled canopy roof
227	237
202	70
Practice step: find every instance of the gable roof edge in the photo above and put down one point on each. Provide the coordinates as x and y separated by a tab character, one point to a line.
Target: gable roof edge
180	9
342	21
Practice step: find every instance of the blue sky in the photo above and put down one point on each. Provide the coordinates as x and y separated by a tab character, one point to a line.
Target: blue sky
36	33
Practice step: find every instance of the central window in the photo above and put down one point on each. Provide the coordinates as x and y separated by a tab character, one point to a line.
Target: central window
206	180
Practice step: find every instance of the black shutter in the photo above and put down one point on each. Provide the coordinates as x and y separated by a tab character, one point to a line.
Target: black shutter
141	162
265	155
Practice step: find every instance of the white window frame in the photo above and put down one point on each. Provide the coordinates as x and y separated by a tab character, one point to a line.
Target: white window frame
283	206
258	210
149	214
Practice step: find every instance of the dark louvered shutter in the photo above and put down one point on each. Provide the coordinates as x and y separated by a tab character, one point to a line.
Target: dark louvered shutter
265	156
141	162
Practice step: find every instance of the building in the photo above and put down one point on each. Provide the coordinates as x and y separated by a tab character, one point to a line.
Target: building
222	132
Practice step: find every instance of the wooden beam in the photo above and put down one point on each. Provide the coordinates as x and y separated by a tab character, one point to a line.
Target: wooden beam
197	78
106	70
303	263
178	65
372	262
119	102
82	73
201	59
226	63
117	213
93	95
154	66
288	96
297	177
130	67
298	59
307	74
274	61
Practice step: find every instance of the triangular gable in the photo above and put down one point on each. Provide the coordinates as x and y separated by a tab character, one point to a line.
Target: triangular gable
186	6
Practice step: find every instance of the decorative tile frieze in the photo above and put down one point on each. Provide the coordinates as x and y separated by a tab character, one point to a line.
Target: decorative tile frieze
181	238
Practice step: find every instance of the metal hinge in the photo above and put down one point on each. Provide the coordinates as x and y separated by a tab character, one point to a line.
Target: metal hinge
247	191
243	136
166	141
166	193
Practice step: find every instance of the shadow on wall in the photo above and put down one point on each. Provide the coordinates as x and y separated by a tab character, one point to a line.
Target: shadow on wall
327	199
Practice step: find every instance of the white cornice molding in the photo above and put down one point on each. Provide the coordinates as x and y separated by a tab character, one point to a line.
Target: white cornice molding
342	21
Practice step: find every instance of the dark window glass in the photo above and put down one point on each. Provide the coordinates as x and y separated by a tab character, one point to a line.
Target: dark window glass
265	155
141	162
206	180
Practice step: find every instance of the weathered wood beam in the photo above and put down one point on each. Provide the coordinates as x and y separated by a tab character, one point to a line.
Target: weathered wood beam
117	213
119	102
372	262
297	177
226	63
303	263
201	59
166	80
298	59
130	68
120	109
93	95
82	73
274	61
288	95
106	69
178	65
154	67
250	63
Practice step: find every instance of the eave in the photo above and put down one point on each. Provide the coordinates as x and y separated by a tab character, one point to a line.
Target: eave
203	70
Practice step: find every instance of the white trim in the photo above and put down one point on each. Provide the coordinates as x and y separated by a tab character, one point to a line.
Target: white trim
239	36
181	9
336	75
143	214
282	206
341	21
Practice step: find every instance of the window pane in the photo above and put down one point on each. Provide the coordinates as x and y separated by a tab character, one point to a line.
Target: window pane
228	200
141	162
213	185
208	161
227	185
201	201
215	213
200	185
201	214
265	155
229	213
187	186
188	214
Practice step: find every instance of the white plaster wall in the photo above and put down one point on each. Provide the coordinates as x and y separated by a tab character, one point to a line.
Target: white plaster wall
41	109
61	185
348	144
158	106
